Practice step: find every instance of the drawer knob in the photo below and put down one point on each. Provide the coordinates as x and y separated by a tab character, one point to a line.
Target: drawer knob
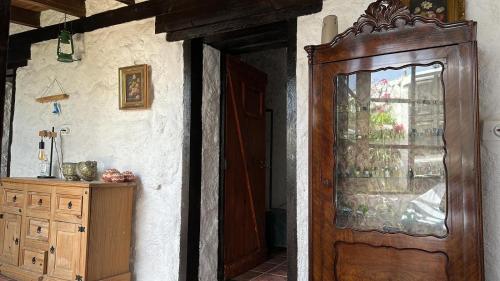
52	249
14	199
39	230
16	241
40	202
70	205
33	260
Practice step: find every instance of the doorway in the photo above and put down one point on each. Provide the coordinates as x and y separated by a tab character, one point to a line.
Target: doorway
257	216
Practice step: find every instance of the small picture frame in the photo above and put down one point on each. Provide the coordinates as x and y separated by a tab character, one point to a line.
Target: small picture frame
134	87
444	10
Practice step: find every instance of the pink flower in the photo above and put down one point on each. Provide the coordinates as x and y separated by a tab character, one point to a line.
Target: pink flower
399	128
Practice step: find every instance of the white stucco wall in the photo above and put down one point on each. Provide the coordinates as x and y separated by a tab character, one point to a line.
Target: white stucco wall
209	223
149	142
483	11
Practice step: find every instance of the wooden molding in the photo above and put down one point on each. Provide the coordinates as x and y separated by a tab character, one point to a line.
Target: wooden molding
128	2
70	7
24	17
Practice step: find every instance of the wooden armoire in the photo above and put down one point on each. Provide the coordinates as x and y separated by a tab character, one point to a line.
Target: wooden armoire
394	151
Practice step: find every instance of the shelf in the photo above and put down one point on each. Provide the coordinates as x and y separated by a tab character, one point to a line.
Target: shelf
396	146
396	178
417	101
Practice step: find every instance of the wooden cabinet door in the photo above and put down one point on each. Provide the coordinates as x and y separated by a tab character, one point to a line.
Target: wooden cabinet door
64	251
395	168
245	175
10	236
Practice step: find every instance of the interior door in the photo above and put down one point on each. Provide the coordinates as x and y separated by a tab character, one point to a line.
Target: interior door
10	235
245	174
64	252
394	168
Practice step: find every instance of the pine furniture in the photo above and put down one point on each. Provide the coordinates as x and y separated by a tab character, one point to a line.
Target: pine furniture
55	230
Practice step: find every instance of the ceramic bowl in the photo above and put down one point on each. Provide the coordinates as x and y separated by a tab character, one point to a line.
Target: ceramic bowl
108	174
70	171
117	177
129	176
87	170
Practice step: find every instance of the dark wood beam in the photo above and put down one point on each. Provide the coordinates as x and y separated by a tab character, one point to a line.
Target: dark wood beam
24	17
231	15
71	7
128	2
4	44
135	12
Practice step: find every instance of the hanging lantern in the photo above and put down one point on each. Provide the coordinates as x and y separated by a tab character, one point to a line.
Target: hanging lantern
65	48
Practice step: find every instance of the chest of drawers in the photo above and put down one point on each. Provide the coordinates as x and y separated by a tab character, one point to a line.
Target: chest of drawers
52	230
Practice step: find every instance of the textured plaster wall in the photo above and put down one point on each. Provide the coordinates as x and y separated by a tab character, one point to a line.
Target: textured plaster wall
274	64
483	11
148	142
209	236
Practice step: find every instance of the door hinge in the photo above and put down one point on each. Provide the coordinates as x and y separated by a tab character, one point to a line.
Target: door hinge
79	278
81	229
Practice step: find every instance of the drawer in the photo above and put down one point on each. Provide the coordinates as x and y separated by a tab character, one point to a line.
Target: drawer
13	200
69	204
34	261
39	201
37	229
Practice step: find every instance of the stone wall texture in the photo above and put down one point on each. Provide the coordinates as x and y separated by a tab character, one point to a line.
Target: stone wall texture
209	235
148	142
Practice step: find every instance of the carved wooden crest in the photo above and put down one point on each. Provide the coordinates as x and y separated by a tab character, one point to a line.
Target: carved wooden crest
381	15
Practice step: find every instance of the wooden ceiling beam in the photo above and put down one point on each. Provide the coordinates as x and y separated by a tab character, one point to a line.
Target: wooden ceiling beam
128	2
71	7
24	17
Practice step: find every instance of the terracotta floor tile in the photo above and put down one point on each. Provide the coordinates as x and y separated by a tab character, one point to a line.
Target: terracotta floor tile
244	277
265	267
277	260
269	277
281	270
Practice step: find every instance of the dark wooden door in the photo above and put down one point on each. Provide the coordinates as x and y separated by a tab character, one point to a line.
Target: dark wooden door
245	175
395	173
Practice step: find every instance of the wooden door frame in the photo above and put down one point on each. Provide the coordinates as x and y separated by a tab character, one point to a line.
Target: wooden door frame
291	163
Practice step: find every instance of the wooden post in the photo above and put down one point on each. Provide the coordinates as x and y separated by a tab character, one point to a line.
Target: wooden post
4	45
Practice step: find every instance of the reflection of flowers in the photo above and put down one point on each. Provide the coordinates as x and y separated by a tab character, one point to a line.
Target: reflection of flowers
426	5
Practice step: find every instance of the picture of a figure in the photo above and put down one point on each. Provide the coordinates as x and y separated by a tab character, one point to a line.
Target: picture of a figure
134	87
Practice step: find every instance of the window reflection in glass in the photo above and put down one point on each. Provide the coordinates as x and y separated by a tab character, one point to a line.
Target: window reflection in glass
390	172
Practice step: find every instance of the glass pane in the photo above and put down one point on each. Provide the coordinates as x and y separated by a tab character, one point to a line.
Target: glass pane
390	172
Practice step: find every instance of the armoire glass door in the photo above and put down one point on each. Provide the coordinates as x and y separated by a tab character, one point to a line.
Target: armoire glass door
390	150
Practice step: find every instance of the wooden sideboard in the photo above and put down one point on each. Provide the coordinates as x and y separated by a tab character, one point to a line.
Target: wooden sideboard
53	230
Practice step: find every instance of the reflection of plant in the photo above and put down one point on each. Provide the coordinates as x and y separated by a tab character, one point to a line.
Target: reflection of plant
363	209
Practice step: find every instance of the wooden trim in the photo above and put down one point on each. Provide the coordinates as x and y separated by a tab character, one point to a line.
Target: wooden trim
222	165
4	44
291	162
72	7
195	163
25	17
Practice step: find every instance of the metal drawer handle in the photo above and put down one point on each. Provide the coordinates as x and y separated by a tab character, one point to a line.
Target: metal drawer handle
70	205
33	260
39	230
14	199
52	249
40	202
16	241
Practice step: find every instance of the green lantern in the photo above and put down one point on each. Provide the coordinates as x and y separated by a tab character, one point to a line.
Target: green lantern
65	42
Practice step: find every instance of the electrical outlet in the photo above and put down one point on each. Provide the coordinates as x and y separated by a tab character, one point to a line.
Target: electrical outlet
491	131
65	131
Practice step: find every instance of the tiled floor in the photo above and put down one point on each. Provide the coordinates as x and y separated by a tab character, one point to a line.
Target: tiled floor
275	269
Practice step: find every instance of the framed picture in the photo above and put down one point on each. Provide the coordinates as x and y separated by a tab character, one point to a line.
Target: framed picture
444	10
134	87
